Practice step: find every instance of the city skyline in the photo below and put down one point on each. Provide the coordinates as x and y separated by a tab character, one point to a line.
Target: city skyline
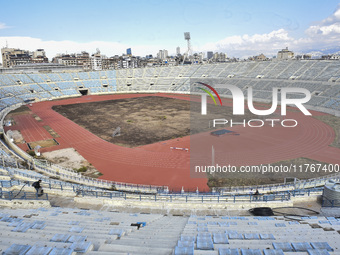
238	28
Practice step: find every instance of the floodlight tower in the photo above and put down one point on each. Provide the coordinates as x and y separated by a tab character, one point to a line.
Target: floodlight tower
189	51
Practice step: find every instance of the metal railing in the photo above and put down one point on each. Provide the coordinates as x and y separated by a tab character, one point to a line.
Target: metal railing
68	174
88	191
330	203
301	184
186	198
84	190
11	195
205	198
47	183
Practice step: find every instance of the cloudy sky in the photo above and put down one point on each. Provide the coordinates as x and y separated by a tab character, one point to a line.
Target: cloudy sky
240	28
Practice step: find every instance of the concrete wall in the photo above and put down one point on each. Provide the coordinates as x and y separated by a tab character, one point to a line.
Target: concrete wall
181	206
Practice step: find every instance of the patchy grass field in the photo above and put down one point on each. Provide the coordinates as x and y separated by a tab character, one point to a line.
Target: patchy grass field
142	120
43	143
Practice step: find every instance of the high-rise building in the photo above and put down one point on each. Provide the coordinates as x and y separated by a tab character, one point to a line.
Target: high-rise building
39	56
222	57
14	57
219	57
96	61
178	51
65	59
73	59
162	54
129	52
210	54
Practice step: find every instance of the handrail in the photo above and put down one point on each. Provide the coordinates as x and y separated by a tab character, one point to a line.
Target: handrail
10	195
86	191
335	203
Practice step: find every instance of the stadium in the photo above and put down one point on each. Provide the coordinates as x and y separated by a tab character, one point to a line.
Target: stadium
145	183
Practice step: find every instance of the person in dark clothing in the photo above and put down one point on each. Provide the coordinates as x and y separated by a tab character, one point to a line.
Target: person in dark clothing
256	194
38	187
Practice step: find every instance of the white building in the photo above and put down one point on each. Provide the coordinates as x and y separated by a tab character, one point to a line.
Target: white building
96	61
39	53
335	57
162	54
285	54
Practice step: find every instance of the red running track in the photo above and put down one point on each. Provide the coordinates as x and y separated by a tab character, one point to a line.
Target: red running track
156	164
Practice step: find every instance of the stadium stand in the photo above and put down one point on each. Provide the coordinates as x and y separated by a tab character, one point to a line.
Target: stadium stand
320	77
76	231
65	230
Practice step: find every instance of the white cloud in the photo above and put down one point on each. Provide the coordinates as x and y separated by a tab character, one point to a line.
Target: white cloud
321	35
321	30
328	28
335	17
249	45
3	26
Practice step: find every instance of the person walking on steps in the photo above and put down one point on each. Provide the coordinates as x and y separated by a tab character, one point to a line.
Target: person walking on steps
38	188
256	194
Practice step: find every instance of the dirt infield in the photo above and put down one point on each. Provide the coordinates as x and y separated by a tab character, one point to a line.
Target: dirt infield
142	120
71	159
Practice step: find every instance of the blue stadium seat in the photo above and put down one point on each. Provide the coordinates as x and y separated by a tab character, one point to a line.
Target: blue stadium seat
61	251
273	252
77	239
17	249
118	232
321	246
204	244
227	251
251	236
280	225
317	252
220	238
80	247
301	246
60	238
235	236
76	229
267	236
39	250
188	238
285	247
184	250
251	252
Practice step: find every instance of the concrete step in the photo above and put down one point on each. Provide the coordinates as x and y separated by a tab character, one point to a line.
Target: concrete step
136	249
